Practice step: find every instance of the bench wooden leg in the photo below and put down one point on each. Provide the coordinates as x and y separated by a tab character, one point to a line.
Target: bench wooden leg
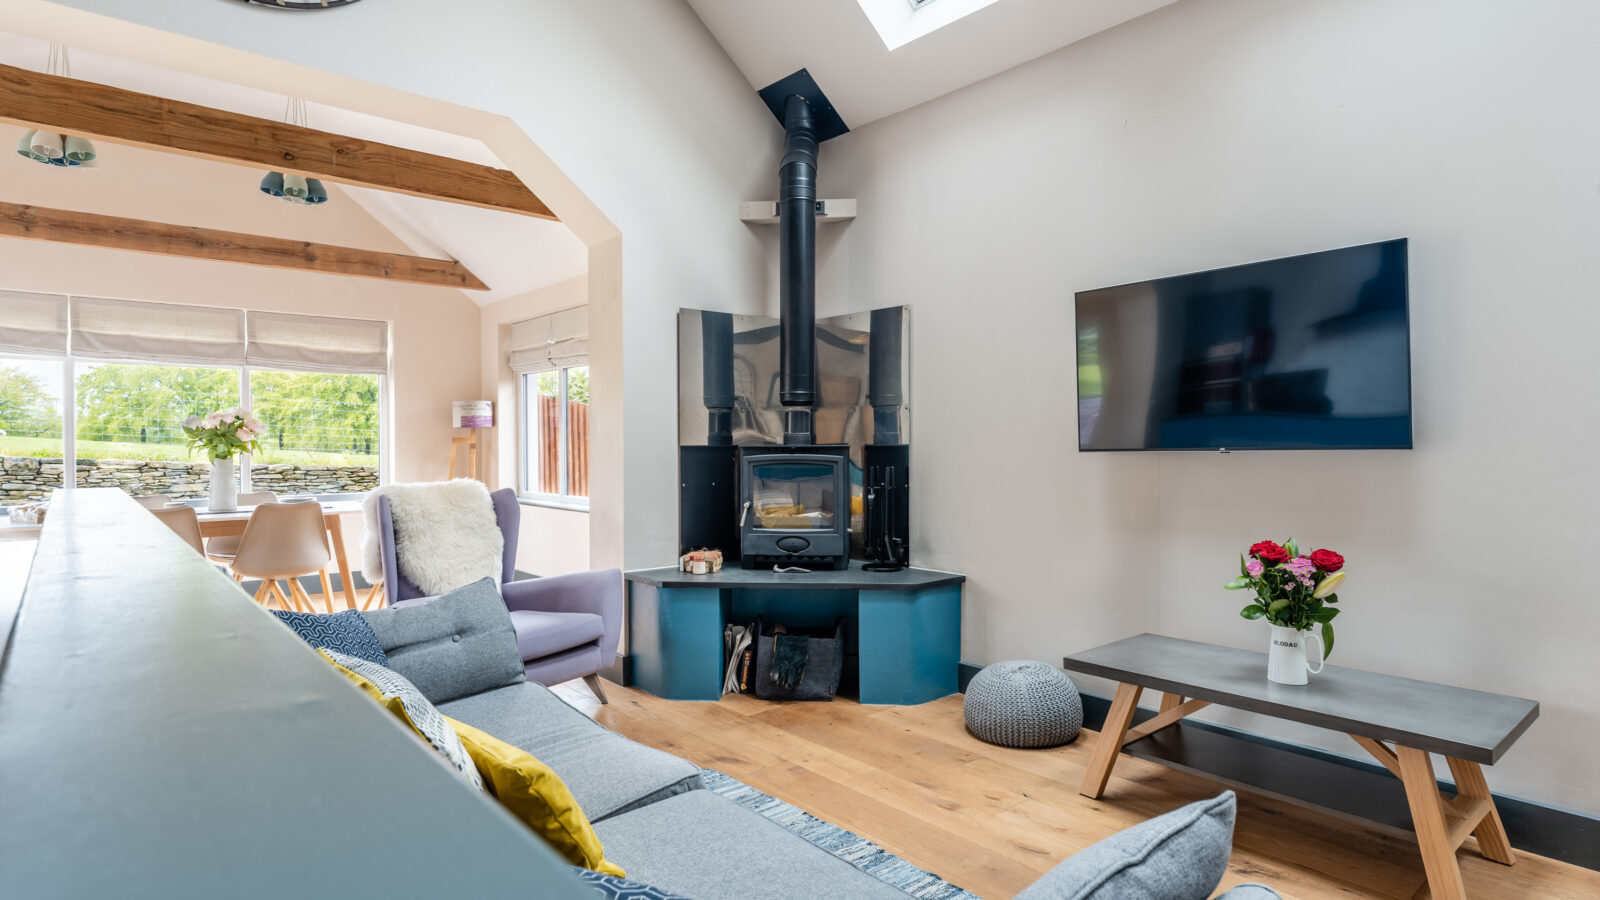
1427	817
1491	834
1109	744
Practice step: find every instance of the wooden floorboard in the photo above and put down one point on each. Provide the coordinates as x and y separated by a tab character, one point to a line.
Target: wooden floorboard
992	819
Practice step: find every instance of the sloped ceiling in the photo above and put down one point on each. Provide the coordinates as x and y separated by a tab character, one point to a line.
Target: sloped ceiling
513	254
865	80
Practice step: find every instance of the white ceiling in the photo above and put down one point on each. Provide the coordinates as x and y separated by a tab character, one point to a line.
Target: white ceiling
511	253
864	79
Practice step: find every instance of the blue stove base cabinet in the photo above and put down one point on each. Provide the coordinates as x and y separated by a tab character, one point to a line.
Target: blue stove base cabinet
903	629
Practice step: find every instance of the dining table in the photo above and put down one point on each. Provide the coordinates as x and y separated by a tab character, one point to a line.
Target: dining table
222	523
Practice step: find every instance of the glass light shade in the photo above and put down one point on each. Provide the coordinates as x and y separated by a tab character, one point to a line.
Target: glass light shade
48	145
315	192
78	149
25	148
294	186
272	184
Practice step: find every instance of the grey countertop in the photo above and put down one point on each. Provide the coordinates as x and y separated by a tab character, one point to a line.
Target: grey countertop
162	736
851	579
1466	724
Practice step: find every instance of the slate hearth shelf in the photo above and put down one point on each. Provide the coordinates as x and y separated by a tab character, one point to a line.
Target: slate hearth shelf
904	628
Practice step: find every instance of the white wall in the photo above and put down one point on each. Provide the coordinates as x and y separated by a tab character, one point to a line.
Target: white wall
633	102
1215	132
553	541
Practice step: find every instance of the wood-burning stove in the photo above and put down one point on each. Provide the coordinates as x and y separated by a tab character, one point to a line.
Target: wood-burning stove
794	506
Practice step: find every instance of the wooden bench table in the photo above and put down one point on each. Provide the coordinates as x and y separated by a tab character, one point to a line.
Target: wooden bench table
1469	728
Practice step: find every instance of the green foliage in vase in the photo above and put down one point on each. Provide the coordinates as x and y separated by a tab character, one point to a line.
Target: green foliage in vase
1291	590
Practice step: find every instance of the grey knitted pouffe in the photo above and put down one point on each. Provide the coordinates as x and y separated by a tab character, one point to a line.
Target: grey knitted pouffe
1023	703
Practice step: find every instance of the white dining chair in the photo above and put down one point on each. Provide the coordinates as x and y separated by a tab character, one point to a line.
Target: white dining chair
223	548
182	520
283	541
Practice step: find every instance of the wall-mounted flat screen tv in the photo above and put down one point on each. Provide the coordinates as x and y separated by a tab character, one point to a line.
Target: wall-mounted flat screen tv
1306	352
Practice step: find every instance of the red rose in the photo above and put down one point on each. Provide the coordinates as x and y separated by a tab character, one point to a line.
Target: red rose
1269	552
1327	560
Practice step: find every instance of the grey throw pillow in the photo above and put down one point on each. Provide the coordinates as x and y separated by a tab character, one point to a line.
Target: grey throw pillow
1250	891
1178	856
451	646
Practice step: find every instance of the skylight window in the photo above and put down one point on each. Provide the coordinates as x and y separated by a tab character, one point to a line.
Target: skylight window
899	22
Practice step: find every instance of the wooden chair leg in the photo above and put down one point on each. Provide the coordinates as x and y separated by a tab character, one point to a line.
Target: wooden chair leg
1427	817
300	595
1109	744
374	599
1491	834
286	599
262	596
327	588
593	681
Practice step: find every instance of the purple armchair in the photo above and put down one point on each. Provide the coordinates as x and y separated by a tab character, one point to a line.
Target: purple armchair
568	626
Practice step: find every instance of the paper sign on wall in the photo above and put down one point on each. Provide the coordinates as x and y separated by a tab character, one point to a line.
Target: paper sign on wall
472	414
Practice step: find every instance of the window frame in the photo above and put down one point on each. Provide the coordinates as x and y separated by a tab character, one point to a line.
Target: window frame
526	445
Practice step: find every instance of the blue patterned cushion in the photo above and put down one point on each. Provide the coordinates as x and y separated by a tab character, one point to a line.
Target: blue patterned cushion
346	632
611	887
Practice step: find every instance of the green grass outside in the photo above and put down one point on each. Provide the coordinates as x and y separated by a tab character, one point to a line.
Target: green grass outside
45	448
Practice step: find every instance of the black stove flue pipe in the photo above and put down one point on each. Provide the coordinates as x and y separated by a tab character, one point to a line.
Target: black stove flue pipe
797	224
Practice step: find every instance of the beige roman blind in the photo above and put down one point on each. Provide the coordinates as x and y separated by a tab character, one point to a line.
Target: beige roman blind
318	343
551	342
33	323
157	332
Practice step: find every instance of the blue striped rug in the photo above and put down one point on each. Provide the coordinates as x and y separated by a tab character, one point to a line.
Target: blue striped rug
852	848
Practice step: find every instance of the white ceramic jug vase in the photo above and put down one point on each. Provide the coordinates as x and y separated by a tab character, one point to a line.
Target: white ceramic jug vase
1286	655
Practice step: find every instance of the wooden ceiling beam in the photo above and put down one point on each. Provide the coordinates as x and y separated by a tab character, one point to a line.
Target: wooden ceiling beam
104	113
95	230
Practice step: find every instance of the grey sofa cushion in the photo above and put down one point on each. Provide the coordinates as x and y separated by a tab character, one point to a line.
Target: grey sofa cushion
451	646
1250	891
701	845
607	773
1178	856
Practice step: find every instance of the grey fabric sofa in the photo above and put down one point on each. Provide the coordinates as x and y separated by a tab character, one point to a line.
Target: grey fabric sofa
649	808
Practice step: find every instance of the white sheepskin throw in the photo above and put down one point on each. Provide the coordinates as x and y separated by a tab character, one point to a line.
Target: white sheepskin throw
445	534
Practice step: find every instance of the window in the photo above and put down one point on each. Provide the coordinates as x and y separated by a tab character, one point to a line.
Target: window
130	423
115	399
323	432
550	355
555	415
899	22
32	450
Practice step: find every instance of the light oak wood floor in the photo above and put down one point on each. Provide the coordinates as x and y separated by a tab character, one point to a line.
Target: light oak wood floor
992	820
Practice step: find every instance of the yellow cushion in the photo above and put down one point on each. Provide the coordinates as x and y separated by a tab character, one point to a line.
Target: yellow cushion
535	794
